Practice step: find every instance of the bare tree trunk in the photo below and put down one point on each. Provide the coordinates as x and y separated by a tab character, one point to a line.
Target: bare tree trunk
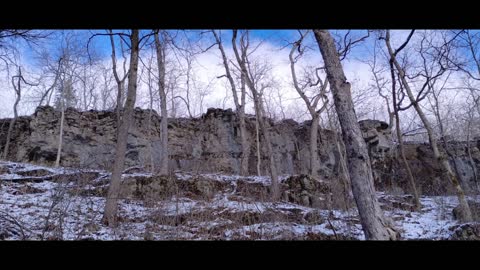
120	82
445	165
411	179
245	144
260	112
443	161
314	162
264	127
9	134
257	139
84	89
239	106
310	103
118	108
60	135
374	223
50	98
54	84
470	158
163	104
18	93
436	110
111	207
450	155
149	122
243	127
150	149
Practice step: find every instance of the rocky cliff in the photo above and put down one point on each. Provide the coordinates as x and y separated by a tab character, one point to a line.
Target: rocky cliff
211	143
390	173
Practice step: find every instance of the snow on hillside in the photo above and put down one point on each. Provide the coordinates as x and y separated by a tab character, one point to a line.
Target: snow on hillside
37	203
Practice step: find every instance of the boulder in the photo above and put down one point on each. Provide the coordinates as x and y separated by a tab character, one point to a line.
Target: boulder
307	191
467	231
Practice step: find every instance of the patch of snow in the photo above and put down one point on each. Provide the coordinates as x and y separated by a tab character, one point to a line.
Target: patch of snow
431	222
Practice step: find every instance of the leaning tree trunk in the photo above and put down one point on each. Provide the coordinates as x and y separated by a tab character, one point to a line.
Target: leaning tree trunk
466	214
374	224
163	104
411	179
449	153
111	207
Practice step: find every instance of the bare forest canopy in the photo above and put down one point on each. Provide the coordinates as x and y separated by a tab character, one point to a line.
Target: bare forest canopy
195	78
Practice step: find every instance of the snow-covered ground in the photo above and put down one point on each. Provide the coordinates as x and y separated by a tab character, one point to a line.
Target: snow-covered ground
39	207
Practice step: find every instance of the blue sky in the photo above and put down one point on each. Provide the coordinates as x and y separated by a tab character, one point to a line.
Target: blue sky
276	37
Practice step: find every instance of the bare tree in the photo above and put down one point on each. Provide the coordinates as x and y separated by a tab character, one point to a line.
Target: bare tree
9	40
161	59
18	93
396	106
239	106
111	207
380	84
49	70
69	54
106	90
120	81
311	103
466	214
374	223
150	82
171	88
88	79
188	57
64	86
467	43
252	79
32	36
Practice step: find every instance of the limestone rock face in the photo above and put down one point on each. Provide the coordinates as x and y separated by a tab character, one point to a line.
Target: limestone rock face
378	137
210	143
390	173
427	172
